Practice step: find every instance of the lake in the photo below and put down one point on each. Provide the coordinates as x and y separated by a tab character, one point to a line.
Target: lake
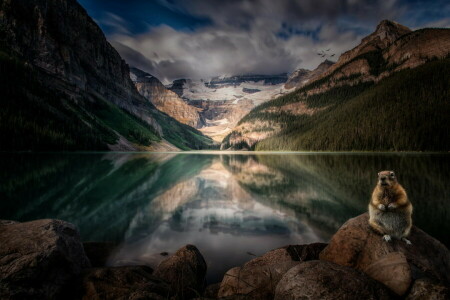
231	206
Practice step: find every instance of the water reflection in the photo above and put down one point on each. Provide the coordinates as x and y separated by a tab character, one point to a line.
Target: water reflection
230	206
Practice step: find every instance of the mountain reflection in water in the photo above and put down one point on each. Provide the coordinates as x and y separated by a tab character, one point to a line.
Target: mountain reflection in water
230	206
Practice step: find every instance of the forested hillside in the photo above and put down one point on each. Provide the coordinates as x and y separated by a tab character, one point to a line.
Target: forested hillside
407	111
64	87
36	117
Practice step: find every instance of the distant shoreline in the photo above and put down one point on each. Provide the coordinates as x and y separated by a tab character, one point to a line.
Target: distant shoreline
237	152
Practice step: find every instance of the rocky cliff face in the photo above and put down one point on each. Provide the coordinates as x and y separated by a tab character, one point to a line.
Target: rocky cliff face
65	66
165	100
223	101
221	116
60	38
177	86
383	36
301	77
391	48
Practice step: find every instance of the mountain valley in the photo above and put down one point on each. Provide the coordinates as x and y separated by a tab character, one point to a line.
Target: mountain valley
65	91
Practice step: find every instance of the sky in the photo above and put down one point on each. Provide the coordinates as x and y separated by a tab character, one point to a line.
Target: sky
174	39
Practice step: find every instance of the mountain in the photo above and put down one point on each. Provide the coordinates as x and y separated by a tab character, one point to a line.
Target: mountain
177	86
301	77
222	101
258	88
165	100
389	93
66	88
390	48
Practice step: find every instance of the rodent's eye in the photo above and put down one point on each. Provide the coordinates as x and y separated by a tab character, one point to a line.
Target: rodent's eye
392	174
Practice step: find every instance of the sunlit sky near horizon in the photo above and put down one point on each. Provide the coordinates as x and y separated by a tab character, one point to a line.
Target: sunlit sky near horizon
204	38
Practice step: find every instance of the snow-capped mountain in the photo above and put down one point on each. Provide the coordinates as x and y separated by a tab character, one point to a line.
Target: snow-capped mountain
258	88
223	100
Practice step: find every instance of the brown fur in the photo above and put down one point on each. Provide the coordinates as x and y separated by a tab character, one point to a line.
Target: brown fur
394	217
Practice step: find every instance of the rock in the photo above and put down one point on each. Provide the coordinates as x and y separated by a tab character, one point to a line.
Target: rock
258	278
7	222
425	289
212	290
393	270
39	258
132	282
301	77
185	272
165	100
324	280
99	252
394	263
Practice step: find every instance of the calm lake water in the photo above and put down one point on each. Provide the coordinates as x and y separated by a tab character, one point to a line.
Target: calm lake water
231	206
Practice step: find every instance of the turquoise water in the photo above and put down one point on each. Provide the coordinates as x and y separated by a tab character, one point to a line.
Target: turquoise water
231	206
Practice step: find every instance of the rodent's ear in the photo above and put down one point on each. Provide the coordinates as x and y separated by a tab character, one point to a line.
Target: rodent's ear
378	173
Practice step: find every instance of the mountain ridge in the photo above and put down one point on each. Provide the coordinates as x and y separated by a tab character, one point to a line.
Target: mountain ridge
302	77
164	99
71	62
390	49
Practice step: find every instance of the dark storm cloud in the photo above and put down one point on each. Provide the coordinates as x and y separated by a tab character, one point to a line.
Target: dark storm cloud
231	37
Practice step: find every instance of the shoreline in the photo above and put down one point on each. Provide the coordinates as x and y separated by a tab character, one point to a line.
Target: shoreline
358	263
237	152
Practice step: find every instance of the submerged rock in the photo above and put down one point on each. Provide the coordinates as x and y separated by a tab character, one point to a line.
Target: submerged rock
394	263
39	258
324	280
185	272
257	279
132	282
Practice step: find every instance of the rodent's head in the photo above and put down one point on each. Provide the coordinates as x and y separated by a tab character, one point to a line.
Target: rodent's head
387	178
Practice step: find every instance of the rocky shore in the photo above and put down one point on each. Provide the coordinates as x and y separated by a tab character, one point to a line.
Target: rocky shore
45	259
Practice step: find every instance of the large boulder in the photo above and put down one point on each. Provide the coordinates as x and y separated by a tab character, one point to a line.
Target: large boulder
425	289
258	278
324	280
395	263
39	259
131	282
185	271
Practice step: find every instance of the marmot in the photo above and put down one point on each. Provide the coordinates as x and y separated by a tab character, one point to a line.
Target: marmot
389	209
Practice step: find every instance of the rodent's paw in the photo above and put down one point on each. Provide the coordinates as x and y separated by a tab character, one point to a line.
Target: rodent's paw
387	237
408	242
381	207
392	206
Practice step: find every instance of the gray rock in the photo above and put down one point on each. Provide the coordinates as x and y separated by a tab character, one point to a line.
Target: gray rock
39	258
324	280
185	272
132	282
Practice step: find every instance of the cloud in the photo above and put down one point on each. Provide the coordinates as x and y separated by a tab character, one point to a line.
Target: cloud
114	23
442	23
250	37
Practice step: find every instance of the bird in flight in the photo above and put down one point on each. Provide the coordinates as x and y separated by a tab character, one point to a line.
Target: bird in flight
323	53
